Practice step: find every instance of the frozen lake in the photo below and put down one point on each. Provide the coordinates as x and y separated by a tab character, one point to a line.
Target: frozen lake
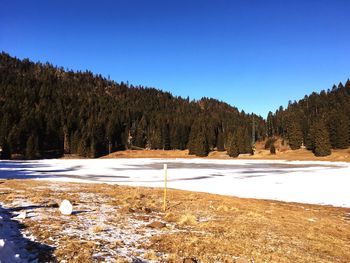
298	181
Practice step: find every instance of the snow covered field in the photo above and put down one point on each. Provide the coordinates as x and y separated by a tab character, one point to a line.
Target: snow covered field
298	181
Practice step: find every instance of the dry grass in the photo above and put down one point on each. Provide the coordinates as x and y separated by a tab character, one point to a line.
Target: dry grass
283	153
150	255
150	154
187	219
98	229
211	228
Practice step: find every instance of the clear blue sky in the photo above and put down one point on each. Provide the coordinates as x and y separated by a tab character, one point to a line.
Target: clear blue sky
255	55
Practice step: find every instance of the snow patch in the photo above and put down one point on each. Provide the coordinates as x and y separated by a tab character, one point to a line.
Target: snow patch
12	243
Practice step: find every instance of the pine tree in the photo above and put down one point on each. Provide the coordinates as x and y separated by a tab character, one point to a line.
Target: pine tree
66	140
92	151
269	142
202	146
82	147
243	140
74	142
232	147
310	139
295	135
154	138
332	128
32	147
342	132
198	143
140	136
270	125
166	137
220	141
272	149
322	143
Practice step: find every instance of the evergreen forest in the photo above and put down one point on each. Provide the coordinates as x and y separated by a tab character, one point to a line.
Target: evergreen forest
47	111
319	122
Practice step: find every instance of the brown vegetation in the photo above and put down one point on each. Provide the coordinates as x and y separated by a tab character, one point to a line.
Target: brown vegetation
206	227
282	153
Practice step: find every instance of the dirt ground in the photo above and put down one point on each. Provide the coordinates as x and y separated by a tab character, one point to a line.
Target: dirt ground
113	223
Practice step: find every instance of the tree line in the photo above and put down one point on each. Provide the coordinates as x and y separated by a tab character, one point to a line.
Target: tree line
47	111
320	122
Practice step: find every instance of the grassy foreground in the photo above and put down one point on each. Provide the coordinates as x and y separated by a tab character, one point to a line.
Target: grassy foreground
124	224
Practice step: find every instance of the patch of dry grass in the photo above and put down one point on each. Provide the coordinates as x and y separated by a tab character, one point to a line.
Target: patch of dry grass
76	251
211	228
283	153
187	219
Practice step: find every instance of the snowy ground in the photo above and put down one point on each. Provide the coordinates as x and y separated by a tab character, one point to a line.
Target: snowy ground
306	182
12	244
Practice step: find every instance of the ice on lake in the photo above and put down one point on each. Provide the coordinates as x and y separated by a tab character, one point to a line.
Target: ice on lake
312	182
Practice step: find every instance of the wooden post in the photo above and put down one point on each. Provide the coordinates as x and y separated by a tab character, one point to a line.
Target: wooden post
165	186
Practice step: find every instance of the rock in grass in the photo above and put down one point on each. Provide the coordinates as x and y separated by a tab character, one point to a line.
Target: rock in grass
66	207
157	224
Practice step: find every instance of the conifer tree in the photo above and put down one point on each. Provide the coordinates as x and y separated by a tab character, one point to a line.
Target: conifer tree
82	147
232	147
154	138
342	132
295	135
272	149
269	142
332	129
140	134
322	143
202	146
198	143
243	140
220	141
92	150
310	139
270	124
166	137
31	147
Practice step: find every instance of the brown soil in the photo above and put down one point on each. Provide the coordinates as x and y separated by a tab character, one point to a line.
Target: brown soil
206	227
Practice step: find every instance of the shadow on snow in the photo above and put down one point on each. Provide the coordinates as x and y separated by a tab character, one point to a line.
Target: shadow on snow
15	243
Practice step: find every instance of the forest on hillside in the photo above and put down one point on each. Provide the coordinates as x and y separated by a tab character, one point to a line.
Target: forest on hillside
46	111
320	122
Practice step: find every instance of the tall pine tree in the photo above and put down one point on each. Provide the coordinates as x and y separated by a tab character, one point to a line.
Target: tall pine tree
322	143
232	147
294	134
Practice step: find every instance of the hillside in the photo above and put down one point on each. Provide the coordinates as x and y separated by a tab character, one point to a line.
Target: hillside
48	111
319	121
